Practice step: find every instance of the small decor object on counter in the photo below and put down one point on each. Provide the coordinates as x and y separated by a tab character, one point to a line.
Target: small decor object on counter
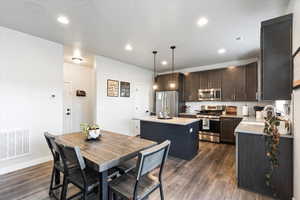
164	115
272	141
124	89
112	88
231	110
92	132
296	84
245	111
80	93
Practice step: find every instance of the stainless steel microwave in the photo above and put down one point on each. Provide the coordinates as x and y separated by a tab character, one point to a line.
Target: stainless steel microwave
210	94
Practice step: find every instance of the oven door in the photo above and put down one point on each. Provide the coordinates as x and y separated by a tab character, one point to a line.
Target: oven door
209	130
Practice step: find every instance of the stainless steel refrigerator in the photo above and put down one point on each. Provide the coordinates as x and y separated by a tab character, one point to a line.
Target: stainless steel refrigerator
167	101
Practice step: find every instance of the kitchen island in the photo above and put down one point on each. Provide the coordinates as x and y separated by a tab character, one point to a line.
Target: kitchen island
252	163
182	132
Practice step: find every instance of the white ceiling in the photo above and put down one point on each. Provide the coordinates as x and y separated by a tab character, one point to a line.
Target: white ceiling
103	27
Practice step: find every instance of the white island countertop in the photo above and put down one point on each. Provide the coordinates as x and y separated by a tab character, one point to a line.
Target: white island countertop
175	120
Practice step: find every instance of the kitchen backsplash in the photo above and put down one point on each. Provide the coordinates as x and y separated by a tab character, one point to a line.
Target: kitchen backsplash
192	106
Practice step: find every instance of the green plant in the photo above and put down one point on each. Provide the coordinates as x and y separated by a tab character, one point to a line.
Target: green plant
85	127
272	140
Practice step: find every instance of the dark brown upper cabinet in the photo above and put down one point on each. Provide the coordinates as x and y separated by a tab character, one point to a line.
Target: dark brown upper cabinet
163	82
276	58
191	86
215	79
239	77
240	83
251	82
210	79
237	83
203	80
234	84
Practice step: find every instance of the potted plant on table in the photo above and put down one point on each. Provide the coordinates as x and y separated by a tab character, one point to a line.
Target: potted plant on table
91	131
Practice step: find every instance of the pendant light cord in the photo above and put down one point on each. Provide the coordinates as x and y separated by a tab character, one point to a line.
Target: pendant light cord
154	64
173	75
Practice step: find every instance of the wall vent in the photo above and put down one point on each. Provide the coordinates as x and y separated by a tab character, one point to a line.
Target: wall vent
14	143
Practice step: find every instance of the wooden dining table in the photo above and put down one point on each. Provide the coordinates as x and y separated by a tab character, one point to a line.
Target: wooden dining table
109	151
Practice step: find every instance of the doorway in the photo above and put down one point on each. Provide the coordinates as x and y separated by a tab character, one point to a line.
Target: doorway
142	95
67	107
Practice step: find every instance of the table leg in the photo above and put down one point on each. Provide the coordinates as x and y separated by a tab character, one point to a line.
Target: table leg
103	186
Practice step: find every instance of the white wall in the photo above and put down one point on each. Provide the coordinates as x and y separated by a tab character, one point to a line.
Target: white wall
83	108
31	70
116	113
295	8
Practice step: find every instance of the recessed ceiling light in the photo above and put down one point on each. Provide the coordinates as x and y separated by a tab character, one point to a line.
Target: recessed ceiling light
164	62
128	47
202	21
63	20
222	51
77	60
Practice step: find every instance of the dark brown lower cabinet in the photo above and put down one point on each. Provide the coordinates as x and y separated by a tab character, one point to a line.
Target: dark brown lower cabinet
228	126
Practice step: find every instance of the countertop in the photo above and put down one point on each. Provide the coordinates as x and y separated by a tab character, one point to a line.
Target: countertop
248	125
195	114
251	125
174	120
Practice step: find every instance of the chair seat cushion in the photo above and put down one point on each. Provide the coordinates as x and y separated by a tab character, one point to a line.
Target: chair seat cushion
124	185
75	178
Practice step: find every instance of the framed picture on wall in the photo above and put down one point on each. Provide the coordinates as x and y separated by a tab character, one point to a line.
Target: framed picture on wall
124	89
112	88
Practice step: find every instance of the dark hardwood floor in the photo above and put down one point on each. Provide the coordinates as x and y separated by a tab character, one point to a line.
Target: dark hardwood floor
209	176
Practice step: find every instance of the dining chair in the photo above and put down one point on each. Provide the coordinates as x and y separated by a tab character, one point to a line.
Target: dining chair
57	164
127	166
83	177
141	183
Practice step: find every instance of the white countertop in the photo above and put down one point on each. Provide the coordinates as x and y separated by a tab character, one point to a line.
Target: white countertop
251	125
174	120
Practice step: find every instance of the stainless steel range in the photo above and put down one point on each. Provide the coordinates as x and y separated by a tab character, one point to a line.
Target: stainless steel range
210	123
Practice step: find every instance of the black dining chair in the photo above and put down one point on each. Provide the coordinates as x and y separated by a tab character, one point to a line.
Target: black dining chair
127	166
57	164
83	177
139	184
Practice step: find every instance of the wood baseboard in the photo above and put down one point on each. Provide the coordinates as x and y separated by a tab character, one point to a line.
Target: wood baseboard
296	84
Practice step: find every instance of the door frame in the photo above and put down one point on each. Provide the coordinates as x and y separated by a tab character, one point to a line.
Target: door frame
64	111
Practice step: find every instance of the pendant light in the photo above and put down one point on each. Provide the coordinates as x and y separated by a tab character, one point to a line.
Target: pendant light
155	86
172	83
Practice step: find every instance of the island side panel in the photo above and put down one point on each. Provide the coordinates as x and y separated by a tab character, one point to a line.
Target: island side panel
253	164
184	144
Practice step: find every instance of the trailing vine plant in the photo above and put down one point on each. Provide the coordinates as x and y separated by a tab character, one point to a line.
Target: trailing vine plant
272	140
